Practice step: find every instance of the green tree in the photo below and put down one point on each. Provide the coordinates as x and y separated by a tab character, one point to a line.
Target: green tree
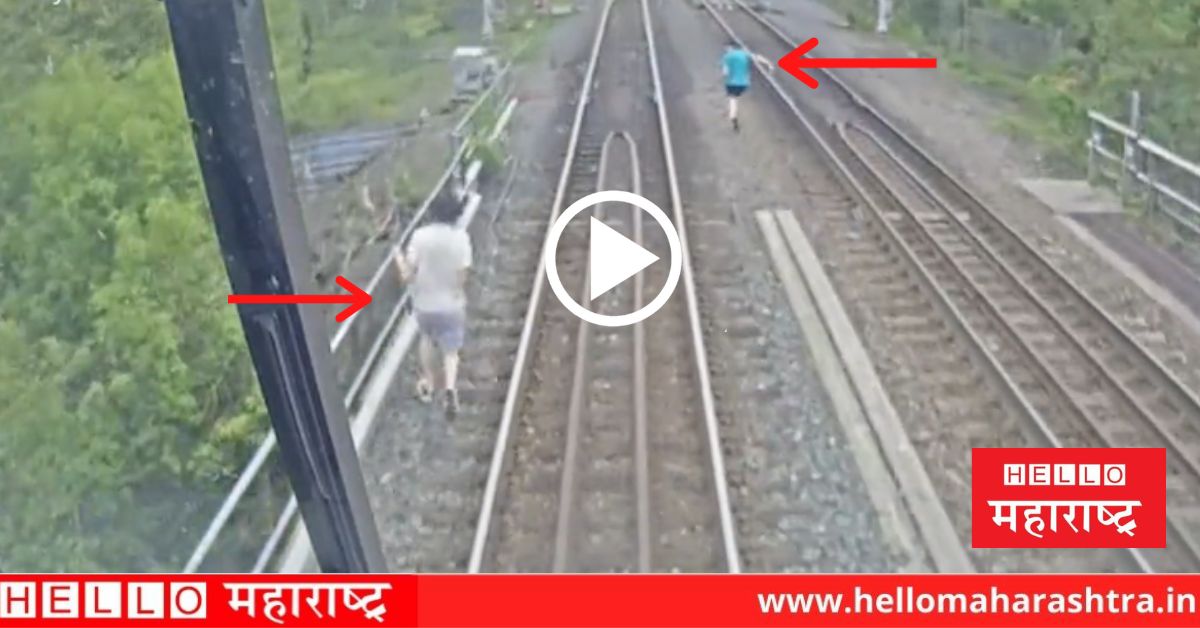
146	405
130	402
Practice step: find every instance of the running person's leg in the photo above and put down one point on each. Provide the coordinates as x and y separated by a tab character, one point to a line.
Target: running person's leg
450	364
734	92
451	342
448	330
425	380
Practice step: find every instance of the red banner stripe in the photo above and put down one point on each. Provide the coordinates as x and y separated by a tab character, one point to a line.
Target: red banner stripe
701	601
720	601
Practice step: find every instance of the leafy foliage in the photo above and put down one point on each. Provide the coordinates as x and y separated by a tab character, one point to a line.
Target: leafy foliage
1149	45
373	59
114	324
1109	47
129	399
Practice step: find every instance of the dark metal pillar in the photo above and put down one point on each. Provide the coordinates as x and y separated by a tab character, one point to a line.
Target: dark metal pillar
225	66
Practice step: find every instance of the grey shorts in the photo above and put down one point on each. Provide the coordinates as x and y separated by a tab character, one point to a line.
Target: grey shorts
447	329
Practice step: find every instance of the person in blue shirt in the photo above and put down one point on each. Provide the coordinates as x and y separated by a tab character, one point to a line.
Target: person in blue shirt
737	64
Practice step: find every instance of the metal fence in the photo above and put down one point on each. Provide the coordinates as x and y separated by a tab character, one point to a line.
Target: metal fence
1145	171
982	35
1018	48
1142	169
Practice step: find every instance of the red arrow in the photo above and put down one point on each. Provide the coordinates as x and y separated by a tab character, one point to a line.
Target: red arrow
794	62
357	299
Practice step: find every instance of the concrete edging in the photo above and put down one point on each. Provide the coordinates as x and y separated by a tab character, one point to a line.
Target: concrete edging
836	346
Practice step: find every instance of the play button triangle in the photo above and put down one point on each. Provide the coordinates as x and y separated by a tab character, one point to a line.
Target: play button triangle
613	258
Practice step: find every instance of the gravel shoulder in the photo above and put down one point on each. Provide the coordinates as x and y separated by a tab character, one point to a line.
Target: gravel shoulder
798	496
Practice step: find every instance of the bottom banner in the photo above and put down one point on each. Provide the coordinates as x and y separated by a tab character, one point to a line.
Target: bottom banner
700	601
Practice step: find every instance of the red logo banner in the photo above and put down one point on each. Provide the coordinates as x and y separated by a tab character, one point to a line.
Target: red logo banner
147	601
1082	498
595	601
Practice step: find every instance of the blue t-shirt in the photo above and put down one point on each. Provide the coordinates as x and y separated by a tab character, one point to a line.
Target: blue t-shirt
737	68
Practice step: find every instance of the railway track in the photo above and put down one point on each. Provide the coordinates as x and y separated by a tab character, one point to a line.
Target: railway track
572	461
603	505
1058	361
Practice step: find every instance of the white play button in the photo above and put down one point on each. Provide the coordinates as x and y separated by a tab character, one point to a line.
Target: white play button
614	258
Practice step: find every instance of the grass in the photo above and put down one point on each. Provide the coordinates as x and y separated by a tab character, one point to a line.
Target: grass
363	67
1048	115
525	36
1043	113
388	67
382	67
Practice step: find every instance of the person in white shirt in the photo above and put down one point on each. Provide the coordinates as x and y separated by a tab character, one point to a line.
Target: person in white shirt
435	267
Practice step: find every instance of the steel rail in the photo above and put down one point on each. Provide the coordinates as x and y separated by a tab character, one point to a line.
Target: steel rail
1138	351
1173	446
641	447
575	411
1023	348
529	329
728	536
1046	433
957	561
979	347
700	353
1115	328
1006	270
575	408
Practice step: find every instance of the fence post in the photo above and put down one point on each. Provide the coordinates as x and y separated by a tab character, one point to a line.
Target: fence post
456	142
1128	155
1092	142
1151	185
489	30
964	31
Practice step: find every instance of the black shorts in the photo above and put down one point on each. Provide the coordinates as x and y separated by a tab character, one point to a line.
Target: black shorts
735	90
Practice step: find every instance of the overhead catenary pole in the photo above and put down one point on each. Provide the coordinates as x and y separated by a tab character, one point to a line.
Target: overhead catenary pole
884	17
488	27
226	70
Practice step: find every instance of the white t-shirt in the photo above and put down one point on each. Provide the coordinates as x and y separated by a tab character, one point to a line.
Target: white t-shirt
439	253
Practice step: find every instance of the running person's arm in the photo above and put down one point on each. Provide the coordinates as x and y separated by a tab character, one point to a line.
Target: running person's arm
402	266
763	61
407	263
